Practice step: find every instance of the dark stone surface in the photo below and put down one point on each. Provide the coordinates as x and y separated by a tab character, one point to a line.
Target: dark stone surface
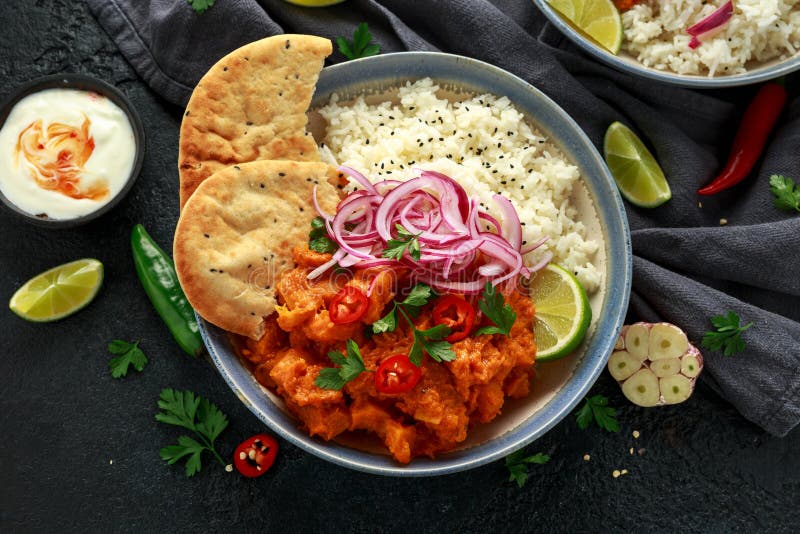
80	449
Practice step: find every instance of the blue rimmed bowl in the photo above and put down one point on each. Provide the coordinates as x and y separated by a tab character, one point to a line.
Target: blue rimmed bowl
625	62
559	385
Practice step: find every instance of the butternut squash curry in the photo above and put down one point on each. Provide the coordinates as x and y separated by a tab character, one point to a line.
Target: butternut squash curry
415	336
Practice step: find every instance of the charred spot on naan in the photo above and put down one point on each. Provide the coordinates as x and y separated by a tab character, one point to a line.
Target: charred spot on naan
251	105
236	234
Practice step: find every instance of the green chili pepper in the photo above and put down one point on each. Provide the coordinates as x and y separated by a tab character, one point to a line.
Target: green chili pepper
157	274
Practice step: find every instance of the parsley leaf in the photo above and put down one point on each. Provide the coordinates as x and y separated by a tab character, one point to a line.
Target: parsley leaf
350	367
201	6
728	336
517	465
395	248
360	46
195	413
597	409
493	306
387	323
787	195
318	239
431	341
418	297
127	354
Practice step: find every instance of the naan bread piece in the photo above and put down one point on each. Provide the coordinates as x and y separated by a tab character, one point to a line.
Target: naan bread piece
236	234
251	105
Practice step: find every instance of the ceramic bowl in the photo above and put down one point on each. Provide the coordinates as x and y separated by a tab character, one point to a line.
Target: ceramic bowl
559	385
628	63
79	82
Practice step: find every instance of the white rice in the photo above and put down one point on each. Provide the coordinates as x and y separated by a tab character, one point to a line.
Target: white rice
758	31
485	144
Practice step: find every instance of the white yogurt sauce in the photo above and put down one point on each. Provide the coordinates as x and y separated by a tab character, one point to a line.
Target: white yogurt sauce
65	113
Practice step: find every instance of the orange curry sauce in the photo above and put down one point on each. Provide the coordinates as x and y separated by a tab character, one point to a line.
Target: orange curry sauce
431	418
55	157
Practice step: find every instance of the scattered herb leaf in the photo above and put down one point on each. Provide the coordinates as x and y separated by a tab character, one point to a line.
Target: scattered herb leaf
395	248
201	5
360	46
318	239
493	306
517	465
728	336
787	194
597	409
195	413
350	367
127	354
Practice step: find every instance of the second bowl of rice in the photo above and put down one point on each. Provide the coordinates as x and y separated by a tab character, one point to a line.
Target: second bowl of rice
759	42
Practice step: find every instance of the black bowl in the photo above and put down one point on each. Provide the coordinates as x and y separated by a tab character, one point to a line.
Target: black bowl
80	82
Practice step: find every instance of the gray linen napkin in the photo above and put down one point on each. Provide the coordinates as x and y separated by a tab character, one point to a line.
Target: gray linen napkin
687	265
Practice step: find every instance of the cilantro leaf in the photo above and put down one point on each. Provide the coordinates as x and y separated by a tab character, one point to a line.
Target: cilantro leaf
195	413
360	46
201	6
493	306
597	409
517	465
350	367
395	248
728	335
787	195
318	238
127	354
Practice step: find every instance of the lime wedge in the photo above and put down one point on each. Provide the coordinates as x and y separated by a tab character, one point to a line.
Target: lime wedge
59	292
637	173
599	19
562	312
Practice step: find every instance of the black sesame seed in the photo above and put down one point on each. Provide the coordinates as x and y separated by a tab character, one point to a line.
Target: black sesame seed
213	270
237	167
249	123
288	44
206	236
281	174
262	186
225	69
301	209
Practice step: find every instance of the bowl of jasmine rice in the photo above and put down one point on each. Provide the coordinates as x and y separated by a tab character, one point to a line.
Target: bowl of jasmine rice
692	43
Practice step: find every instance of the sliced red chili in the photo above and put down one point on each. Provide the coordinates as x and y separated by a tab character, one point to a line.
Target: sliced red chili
348	305
255	455
396	375
457	314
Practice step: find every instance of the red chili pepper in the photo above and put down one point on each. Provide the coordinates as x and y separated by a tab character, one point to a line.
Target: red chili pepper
348	305
255	455
759	119
457	314
397	375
